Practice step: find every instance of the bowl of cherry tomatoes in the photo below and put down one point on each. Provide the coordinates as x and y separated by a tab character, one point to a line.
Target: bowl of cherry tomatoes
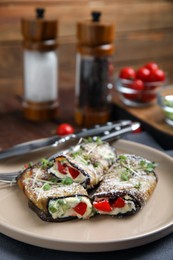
138	88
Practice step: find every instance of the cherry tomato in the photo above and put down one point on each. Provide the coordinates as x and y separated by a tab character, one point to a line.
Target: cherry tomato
157	75
127	73
73	172
80	208
61	168
137	84
119	203
152	66
143	74
102	205
138	130
26	165
64	129
147	97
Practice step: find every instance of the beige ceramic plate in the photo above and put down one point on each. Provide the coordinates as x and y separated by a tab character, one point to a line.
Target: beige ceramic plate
154	221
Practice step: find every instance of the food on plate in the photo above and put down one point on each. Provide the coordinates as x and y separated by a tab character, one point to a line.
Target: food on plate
126	187
89	179
51	200
86	164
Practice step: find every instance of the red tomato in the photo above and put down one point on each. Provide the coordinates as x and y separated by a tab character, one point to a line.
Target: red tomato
119	203
102	205
61	168
131	96
127	73
152	66
147	97
137	84
26	165
73	172
138	130
143	74
157	75
80	208
64	129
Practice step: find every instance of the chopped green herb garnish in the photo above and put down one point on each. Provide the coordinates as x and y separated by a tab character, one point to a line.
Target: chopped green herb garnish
46	186
122	158
30	164
95	139
137	186
52	208
96	164
67	181
63	204
53	180
60	201
88	140
46	163
142	165
86	157
147	166
75	154
125	175
98	140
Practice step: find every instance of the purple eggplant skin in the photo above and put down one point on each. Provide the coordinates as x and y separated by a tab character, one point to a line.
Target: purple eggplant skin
46	216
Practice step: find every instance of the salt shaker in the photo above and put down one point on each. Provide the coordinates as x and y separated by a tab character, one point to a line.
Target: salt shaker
95	47
40	67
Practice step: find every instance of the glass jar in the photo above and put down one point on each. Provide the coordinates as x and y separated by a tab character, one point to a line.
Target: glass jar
40	67
94	71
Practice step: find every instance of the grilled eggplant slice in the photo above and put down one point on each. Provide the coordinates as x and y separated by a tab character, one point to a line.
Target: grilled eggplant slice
51	200
86	164
127	187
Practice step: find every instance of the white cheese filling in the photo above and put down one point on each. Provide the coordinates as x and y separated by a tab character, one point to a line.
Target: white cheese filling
79	179
61	208
129	206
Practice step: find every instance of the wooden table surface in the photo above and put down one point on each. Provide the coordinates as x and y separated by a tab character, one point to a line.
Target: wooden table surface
14	128
151	115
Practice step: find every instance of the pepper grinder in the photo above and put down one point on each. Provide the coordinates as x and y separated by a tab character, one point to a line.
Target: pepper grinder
40	67
94	81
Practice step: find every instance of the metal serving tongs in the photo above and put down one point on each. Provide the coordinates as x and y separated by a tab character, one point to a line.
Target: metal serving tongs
111	131
97	130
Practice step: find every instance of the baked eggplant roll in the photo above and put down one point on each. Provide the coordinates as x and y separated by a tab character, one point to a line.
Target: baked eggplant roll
51	200
127	186
86	163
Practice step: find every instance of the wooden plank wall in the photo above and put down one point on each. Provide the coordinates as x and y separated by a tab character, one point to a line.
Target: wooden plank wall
144	32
